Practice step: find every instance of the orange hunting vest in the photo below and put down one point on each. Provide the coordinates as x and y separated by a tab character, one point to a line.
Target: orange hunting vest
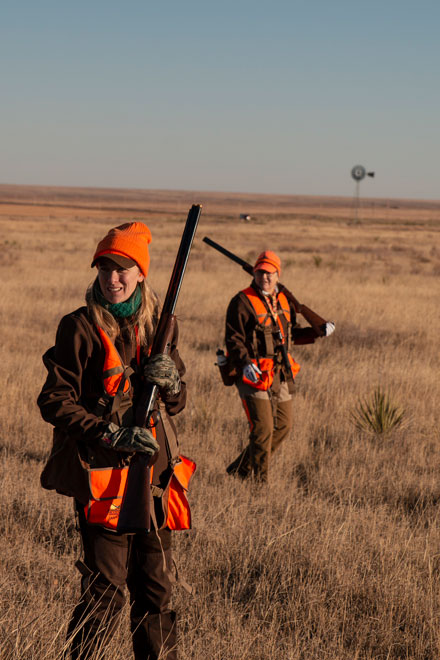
114	373
107	485
264	319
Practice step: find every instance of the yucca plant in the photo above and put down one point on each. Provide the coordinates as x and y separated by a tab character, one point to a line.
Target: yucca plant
378	414
317	260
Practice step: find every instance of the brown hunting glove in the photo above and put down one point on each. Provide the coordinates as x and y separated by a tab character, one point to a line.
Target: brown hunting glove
161	370
130	439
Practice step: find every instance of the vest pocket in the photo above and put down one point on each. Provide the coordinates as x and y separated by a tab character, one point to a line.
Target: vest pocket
107	486
179	513
172	508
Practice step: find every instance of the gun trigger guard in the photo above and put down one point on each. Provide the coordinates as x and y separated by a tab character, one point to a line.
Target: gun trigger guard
158	416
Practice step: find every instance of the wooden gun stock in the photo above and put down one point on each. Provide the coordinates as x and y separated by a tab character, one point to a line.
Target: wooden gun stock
135	510
310	316
316	321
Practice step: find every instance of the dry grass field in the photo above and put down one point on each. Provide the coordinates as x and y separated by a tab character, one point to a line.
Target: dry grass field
338	557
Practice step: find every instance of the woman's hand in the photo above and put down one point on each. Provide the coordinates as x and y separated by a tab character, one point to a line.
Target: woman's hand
161	370
130	439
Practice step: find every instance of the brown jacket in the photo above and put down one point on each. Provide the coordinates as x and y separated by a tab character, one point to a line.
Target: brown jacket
242	330
69	398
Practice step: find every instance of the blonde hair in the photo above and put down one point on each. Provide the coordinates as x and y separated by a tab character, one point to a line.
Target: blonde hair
145	319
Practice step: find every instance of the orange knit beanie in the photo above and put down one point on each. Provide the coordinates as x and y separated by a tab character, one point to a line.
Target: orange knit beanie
268	261
130	241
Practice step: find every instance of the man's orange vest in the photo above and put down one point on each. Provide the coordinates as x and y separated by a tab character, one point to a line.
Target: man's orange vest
107	485
264	319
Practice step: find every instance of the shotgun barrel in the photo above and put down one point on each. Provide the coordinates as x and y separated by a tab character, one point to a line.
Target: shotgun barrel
244	264
310	316
135	510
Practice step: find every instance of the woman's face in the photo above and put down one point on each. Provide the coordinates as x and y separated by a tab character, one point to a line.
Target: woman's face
117	283
266	281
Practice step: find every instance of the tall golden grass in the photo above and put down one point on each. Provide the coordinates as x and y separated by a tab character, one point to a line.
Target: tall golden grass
338	556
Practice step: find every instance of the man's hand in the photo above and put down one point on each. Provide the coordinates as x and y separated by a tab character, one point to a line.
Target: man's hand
328	328
162	371
130	439
251	372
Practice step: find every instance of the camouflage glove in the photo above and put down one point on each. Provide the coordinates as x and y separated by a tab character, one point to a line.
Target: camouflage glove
162	371
130	439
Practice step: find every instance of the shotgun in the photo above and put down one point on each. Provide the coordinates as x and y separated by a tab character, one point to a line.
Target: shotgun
310	316
134	515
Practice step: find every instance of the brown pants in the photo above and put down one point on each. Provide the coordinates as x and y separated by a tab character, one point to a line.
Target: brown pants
112	561
269	425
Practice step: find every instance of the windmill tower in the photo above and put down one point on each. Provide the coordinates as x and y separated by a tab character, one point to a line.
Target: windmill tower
358	173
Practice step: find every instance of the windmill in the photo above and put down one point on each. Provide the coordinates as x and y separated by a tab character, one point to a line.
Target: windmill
358	173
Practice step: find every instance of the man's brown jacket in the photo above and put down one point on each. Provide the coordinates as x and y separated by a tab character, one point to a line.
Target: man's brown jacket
241	324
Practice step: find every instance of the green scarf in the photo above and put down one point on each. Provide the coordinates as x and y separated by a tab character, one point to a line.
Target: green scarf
119	310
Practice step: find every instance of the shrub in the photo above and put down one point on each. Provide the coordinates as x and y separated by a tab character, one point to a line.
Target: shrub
378	414
317	260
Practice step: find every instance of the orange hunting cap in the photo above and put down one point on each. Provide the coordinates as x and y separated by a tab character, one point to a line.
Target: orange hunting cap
126	245
269	261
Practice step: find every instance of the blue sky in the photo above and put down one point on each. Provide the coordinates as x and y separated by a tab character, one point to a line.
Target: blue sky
271	97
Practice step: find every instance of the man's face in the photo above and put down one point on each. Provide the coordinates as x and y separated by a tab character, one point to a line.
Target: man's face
266	281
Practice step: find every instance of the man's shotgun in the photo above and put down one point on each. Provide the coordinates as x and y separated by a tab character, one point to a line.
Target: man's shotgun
310	316
134	515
